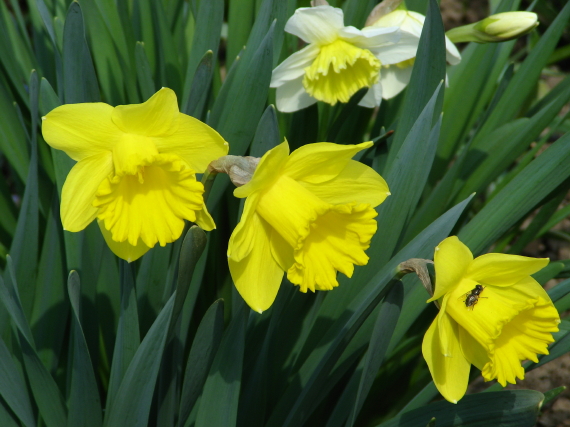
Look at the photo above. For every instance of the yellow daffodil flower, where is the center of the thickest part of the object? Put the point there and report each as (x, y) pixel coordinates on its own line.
(394, 77)
(135, 170)
(338, 61)
(493, 315)
(310, 214)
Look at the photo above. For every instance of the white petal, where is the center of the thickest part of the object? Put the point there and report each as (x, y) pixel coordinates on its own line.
(292, 96)
(405, 49)
(452, 55)
(370, 38)
(394, 80)
(316, 24)
(373, 97)
(294, 66)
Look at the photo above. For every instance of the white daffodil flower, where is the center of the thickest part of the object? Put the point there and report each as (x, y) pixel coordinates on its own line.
(394, 77)
(337, 62)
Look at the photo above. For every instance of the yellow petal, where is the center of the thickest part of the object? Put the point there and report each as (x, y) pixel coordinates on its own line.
(158, 116)
(473, 351)
(242, 238)
(320, 162)
(151, 205)
(258, 276)
(204, 219)
(504, 269)
(355, 183)
(452, 259)
(267, 171)
(81, 130)
(123, 250)
(195, 142)
(339, 71)
(79, 189)
(450, 374)
(282, 252)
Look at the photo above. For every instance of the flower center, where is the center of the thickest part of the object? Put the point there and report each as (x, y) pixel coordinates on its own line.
(339, 71)
(323, 238)
(150, 201)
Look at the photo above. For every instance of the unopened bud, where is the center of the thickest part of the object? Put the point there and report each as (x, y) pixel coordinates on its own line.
(495, 28)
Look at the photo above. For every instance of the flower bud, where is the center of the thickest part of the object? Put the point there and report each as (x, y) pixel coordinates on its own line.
(496, 28)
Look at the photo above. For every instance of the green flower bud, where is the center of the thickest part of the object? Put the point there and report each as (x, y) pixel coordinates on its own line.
(496, 28)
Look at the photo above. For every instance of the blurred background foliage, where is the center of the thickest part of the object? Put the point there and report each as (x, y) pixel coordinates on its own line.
(153, 343)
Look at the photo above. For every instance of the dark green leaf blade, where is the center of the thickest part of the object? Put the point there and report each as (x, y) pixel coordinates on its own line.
(84, 401)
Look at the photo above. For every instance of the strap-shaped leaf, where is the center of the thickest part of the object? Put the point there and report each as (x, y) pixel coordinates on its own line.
(519, 197)
(427, 74)
(79, 78)
(84, 401)
(202, 353)
(224, 379)
(127, 340)
(24, 249)
(46, 393)
(131, 403)
(512, 408)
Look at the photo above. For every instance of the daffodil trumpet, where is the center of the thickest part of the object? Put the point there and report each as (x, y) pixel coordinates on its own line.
(309, 214)
(493, 315)
(136, 170)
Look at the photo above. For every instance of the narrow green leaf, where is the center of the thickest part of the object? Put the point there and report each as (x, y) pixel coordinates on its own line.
(84, 401)
(15, 56)
(194, 105)
(202, 353)
(560, 295)
(49, 316)
(127, 342)
(144, 72)
(209, 27)
(46, 393)
(132, 402)
(13, 388)
(192, 248)
(240, 21)
(526, 76)
(24, 249)
(516, 408)
(406, 177)
(112, 48)
(79, 78)
(224, 379)
(151, 284)
(267, 133)
(381, 334)
(550, 395)
(12, 136)
(427, 74)
(519, 197)
(490, 156)
(532, 230)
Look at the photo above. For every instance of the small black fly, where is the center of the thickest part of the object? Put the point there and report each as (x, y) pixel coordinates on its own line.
(472, 297)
